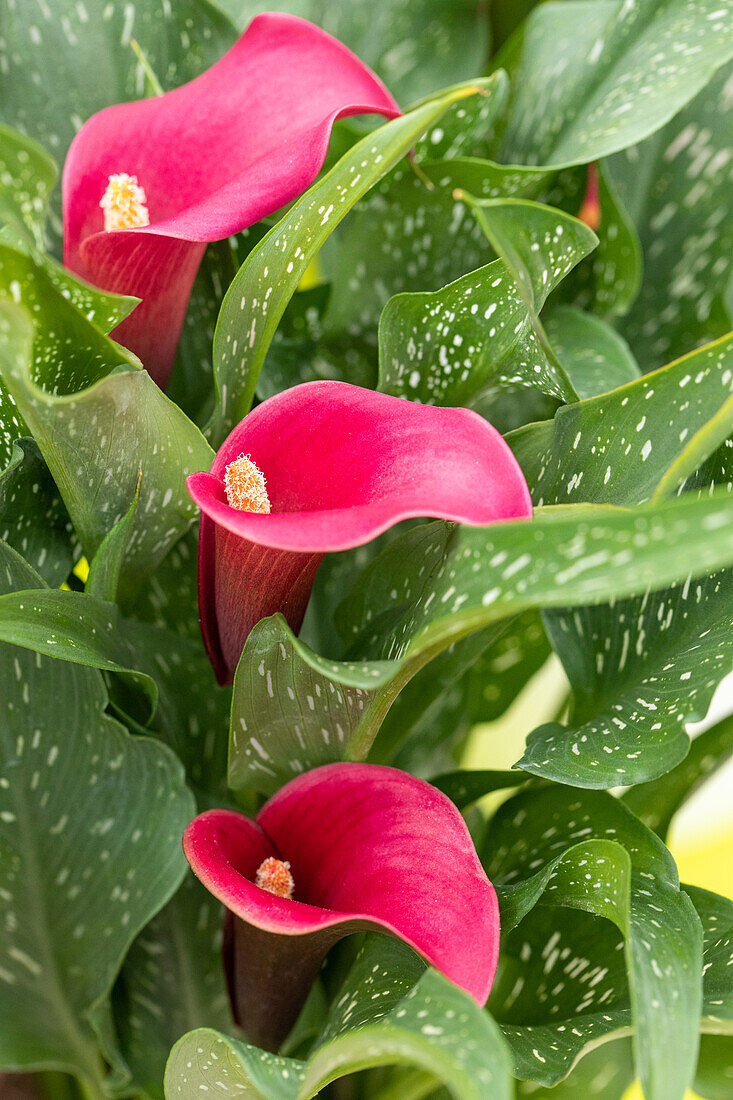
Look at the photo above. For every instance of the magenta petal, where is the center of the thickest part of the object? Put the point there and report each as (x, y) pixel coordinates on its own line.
(369, 847)
(342, 465)
(213, 157)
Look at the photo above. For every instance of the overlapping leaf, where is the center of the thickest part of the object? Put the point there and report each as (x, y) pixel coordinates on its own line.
(468, 578)
(33, 519)
(91, 822)
(641, 439)
(595, 358)
(385, 1013)
(256, 299)
(444, 347)
(98, 425)
(587, 852)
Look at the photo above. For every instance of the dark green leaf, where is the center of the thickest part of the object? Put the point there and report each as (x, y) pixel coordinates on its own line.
(678, 188)
(91, 826)
(172, 981)
(595, 358)
(33, 519)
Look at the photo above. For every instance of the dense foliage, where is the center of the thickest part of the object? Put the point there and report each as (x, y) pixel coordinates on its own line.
(458, 274)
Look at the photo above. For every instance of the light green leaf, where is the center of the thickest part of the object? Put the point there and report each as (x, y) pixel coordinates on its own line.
(267, 280)
(90, 834)
(445, 347)
(677, 186)
(639, 670)
(27, 175)
(384, 1014)
(594, 856)
(636, 442)
(595, 358)
(97, 430)
(106, 567)
(33, 519)
(657, 802)
(594, 76)
(400, 617)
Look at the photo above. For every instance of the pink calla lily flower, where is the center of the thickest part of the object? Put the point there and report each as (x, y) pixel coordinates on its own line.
(341, 849)
(328, 466)
(147, 184)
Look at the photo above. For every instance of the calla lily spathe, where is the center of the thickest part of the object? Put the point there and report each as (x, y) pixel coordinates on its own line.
(368, 848)
(341, 465)
(207, 160)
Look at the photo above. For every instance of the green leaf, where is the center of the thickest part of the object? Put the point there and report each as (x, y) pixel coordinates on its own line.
(415, 48)
(399, 616)
(637, 442)
(168, 680)
(595, 358)
(677, 187)
(602, 1074)
(716, 916)
(90, 833)
(594, 856)
(714, 1067)
(310, 707)
(100, 430)
(27, 176)
(70, 626)
(41, 45)
(33, 519)
(657, 802)
(609, 282)
(465, 787)
(171, 982)
(639, 670)
(445, 347)
(617, 71)
(531, 255)
(106, 566)
(382, 1015)
(267, 280)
